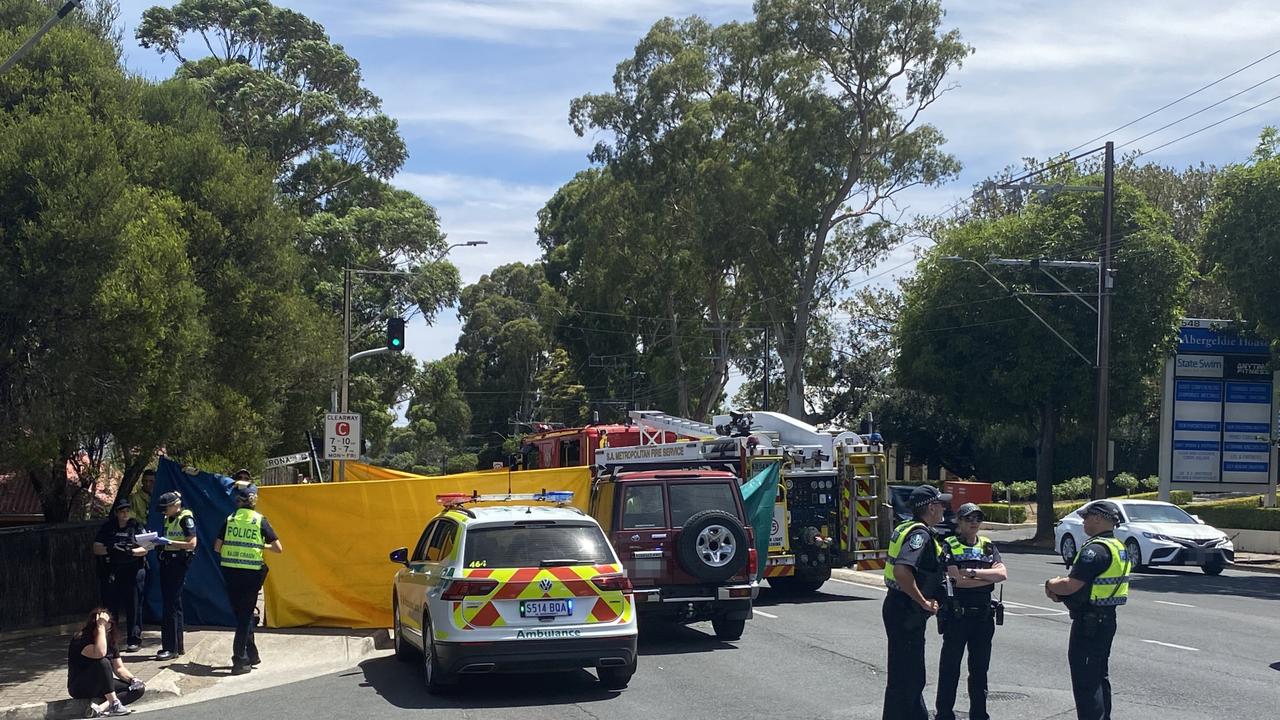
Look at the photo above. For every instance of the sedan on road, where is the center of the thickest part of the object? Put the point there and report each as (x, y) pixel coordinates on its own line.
(1154, 533)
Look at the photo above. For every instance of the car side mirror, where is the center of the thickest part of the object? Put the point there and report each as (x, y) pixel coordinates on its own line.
(400, 556)
(1197, 519)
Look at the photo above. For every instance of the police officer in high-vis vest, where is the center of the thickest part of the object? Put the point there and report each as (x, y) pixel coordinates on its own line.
(241, 543)
(1097, 584)
(177, 547)
(968, 617)
(913, 574)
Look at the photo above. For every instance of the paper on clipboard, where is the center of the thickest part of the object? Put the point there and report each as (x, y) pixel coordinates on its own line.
(146, 539)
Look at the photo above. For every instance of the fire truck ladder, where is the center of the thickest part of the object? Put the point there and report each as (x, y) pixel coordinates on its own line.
(862, 483)
(654, 425)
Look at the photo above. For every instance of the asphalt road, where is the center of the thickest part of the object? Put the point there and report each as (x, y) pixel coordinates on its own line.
(1189, 647)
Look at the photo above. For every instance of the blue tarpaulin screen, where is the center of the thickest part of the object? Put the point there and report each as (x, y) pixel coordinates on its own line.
(208, 497)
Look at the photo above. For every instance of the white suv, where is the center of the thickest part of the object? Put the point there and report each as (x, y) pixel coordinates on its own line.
(513, 588)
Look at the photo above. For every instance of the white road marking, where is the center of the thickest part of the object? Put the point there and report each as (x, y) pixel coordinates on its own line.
(870, 587)
(1169, 645)
(1010, 603)
(761, 612)
(1166, 602)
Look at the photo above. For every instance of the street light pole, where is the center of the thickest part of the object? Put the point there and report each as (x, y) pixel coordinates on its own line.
(21, 52)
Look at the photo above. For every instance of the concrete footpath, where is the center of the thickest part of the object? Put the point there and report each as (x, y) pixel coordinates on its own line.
(33, 667)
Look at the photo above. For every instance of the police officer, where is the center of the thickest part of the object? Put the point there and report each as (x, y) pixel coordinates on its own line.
(177, 547)
(913, 574)
(126, 574)
(1097, 584)
(240, 543)
(968, 616)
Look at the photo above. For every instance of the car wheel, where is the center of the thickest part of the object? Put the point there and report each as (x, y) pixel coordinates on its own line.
(1134, 551)
(1068, 549)
(727, 629)
(1214, 566)
(404, 651)
(712, 546)
(616, 678)
(437, 680)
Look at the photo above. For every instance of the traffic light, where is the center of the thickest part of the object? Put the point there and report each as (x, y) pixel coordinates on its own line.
(395, 334)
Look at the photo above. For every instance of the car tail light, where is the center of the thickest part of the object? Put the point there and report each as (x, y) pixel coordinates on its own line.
(459, 589)
(620, 583)
(753, 562)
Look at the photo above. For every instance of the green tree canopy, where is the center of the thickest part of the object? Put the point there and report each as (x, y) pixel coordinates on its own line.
(965, 341)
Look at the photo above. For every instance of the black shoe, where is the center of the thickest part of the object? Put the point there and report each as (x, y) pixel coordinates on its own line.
(255, 662)
(166, 655)
(133, 647)
(239, 669)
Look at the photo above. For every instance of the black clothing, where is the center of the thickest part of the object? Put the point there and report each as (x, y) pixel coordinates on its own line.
(1088, 653)
(242, 589)
(123, 598)
(120, 541)
(904, 624)
(90, 679)
(969, 624)
(173, 575)
(1092, 630)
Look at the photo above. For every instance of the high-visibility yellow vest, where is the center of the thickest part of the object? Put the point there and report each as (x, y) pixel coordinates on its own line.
(979, 552)
(895, 548)
(173, 526)
(1111, 588)
(242, 542)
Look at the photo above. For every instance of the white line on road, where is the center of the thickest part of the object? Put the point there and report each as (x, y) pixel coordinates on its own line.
(1166, 602)
(870, 587)
(1170, 645)
(761, 612)
(1010, 603)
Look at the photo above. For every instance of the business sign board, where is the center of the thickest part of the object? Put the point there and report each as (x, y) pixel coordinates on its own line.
(1219, 411)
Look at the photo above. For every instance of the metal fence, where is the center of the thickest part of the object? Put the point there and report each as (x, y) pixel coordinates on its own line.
(49, 574)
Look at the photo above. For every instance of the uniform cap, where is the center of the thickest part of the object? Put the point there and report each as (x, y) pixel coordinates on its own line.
(1104, 508)
(245, 492)
(968, 509)
(926, 494)
(169, 498)
(242, 471)
(121, 504)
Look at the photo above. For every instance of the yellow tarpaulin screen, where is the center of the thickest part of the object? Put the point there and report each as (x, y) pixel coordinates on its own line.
(359, 471)
(334, 571)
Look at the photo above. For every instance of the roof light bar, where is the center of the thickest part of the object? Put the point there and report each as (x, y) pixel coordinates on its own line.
(552, 496)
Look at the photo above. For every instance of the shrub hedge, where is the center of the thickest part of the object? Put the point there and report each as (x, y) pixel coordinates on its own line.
(999, 512)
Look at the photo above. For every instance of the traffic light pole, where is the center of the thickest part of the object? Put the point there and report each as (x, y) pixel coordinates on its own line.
(346, 355)
(21, 52)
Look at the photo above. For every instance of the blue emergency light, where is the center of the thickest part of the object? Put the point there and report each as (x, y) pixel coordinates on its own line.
(555, 496)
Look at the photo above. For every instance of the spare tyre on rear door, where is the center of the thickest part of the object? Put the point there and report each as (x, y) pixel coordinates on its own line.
(712, 546)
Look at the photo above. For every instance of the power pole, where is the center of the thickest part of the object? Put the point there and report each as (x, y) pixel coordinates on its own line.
(1102, 445)
(765, 391)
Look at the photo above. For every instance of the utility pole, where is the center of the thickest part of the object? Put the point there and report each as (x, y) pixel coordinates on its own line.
(1102, 444)
(765, 391)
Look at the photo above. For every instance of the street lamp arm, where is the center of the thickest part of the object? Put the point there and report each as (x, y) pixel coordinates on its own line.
(983, 268)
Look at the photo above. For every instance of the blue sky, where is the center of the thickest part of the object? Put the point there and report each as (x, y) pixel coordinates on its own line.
(481, 89)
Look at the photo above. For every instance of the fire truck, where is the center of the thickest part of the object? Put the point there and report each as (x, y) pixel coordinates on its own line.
(825, 510)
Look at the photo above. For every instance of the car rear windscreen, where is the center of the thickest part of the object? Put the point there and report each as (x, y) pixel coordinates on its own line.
(532, 544)
(688, 499)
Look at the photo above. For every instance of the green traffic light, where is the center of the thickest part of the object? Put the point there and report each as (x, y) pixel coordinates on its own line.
(396, 342)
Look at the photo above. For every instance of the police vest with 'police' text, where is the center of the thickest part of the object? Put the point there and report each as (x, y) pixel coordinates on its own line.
(242, 542)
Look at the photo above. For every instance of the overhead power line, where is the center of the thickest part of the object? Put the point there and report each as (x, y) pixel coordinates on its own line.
(1162, 108)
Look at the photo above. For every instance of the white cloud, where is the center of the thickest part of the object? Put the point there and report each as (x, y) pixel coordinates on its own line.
(500, 213)
(534, 22)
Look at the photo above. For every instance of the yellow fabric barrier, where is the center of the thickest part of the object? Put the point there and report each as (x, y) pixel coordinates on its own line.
(334, 571)
(359, 471)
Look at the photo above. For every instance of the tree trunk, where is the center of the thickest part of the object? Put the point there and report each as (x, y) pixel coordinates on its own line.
(791, 351)
(53, 488)
(1044, 472)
